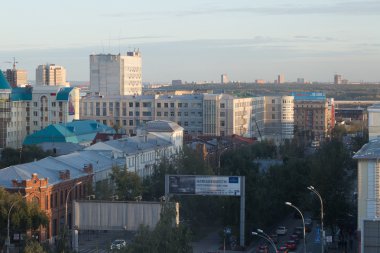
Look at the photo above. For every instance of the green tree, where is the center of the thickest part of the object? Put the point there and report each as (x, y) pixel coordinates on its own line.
(34, 247)
(128, 184)
(10, 156)
(166, 237)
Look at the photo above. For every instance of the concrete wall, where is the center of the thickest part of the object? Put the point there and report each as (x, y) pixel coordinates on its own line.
(114, 215)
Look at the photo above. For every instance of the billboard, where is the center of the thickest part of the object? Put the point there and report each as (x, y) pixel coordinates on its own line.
(204, 185)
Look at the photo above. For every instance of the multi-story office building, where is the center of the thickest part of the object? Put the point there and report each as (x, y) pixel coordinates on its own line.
(27, 110)
(16, 77)
(113, 75)
(51, 75)
(198, 114)
(224, 79)
(313, 115)
(279, 118)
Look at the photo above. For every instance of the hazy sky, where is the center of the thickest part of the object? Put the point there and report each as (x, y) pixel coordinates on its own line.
(199, 40)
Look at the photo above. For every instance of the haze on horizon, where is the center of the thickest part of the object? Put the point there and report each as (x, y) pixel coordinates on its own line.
(199, 40)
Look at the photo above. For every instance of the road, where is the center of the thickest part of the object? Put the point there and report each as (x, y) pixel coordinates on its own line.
(100, 241)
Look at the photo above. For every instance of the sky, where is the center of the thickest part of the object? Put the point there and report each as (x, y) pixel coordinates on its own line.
(198, 40)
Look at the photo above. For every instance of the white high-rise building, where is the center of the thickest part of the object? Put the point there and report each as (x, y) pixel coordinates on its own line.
(51, 75)
(112, 75)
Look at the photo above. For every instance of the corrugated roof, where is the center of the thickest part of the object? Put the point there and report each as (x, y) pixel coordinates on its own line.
(162, 126)
(4, 85)
(371, 150)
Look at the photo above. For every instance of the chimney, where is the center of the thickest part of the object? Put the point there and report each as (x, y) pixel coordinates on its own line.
(88, 168)
(64, 174)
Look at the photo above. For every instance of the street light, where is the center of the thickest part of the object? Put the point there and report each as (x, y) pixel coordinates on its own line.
(303, 222)
(259, 235)
(67, 197)
(311, 188)
(268, 237)
(8, 242)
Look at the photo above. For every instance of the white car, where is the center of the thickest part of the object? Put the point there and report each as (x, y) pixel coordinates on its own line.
(118, 244)
(281, 230)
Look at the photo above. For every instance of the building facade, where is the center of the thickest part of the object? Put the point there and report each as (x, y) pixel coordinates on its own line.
(373, 121)
(198, 114)
(30, 109)
(113, 75)
(51, 75)
(313, 115)
(16, 77)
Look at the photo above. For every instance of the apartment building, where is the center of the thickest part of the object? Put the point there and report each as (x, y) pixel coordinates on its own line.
(313, 115)
(16, 77)
(112, 75)
(26, 110)
(51, 75)
(198, 114)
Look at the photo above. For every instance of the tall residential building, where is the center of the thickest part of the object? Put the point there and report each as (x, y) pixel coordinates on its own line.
(51, 75)
(224, 79)
(29, 109)
(16, 77)
(337, 79)
(281, 79)
(313, 115)
(374, 121)
(113, 75)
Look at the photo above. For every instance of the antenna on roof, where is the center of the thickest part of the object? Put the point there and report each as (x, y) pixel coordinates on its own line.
(13, 63)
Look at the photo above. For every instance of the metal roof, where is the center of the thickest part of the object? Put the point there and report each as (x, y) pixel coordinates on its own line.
(63, 94)
(162, 126)
(371, 150)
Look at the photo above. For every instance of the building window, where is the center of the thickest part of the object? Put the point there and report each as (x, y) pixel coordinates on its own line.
(172, 105)
(179, 114)
(137, 104)
(158, 105)
(172, 114)
(130, 113)
(131, 104)
(179, 105)
(222, 114)
(147, 104)
(166, 114)
(166, 105)
(222, 105)
(147, 114)
(159, 114)
(186, 114)
(222, 123)
(131, 122)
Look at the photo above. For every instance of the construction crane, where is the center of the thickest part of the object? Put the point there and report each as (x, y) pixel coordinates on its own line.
(14, 63)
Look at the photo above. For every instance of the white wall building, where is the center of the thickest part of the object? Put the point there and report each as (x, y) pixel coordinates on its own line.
(116, 74)
(374, 121)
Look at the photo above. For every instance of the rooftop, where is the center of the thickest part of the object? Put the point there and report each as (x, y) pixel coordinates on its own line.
(371, 150)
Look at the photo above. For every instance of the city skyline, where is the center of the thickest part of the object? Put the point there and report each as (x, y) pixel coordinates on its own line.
(199, 40)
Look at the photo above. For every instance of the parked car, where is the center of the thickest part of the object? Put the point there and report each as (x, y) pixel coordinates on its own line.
(263, 248)
(299, 231)
(118, 244)
(281, 230)
(274, 238)
(291, 245)
(294, 237)
(282, 249)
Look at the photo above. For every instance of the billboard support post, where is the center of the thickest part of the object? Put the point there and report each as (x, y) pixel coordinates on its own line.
(242, 212)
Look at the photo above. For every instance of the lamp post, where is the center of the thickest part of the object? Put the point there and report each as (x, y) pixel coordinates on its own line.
(303, 222)
(267, 239)
(8, 242)
(67, 197)
(311, 188)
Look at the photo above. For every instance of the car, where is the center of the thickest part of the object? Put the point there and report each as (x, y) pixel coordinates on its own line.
(281, 230)
(299, 231)
(294, 237)
(274, 238)
(282, 249)
(263, 248)
(291, 245)
(118, 244)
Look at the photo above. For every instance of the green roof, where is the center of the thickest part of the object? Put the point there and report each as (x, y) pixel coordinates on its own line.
(3, 82)
(64, 93)
(78, 131)
(21, 93)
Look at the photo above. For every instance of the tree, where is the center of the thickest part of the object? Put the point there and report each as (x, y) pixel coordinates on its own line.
(33, 247)
(166, 237)
(24, 216)
(128, 184)
(10, 156)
